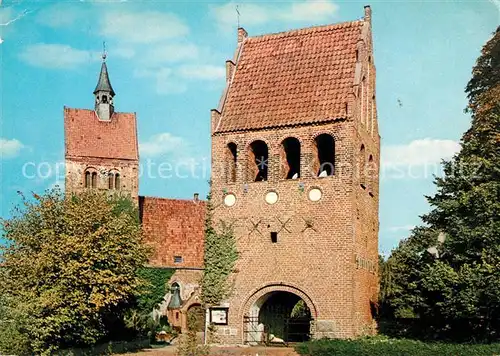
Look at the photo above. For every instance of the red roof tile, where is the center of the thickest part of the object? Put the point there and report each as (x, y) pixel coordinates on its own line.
(291, 78)
(87, 136)
(174, 228)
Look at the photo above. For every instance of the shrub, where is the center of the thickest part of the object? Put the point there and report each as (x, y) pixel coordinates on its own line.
(392, 347)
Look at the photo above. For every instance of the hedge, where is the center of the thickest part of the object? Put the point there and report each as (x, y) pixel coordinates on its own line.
(393, 347)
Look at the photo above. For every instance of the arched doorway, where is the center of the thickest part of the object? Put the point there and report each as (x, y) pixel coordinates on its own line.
(278, 317)
(196, 318)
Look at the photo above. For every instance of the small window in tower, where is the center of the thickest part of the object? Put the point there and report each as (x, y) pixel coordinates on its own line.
(94, 180)
(87, 179)
(232, 151)
(258, 161)
(290, 158)
(111, 180)
(117, 181)
(325, 160)
(362, 167)
(104, 99)
(178, 259)
(274, 237)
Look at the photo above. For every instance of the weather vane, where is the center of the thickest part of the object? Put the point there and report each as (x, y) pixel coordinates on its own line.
(238, 15)
(104, 55)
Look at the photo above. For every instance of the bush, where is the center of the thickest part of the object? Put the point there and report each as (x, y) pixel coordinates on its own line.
(392, 347)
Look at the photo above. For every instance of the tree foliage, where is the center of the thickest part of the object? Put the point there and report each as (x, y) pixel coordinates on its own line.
(68, 267)
(457, 290)
(219, 260)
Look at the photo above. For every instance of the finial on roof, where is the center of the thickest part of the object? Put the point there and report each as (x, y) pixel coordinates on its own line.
(368, 13)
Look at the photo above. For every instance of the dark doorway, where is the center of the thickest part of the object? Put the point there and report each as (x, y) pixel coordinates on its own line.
(283, 318)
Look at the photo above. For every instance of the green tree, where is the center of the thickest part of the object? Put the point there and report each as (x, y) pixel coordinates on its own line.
(457, 287)
(68, 267)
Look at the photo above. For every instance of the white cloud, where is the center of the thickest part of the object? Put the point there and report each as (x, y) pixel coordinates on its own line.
(170, 53)
(7, 16)
(142, 27)
(310, 11)
(401, 228)
(10, 148)
(162, 144)
(202, 72)
(165, 81)
(61, 15)
(257, 14)
(56, 56)
(419, 152)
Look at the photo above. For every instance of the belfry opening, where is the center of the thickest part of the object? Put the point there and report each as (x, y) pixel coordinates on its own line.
(278, 317)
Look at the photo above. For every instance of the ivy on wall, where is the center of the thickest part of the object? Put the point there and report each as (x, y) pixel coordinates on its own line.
(220, 258)
(154, 288)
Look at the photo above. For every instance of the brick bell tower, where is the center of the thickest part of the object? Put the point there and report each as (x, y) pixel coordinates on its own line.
(295, 162)
(101, 150)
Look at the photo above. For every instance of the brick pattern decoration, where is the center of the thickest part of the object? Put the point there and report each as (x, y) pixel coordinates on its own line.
(292, 78)
(87, 136)
(318, 243)
(175, 228)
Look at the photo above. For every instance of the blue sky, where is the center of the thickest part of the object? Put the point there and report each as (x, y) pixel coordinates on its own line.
(166, 63)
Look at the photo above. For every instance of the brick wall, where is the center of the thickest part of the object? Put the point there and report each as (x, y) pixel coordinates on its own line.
(174, 228)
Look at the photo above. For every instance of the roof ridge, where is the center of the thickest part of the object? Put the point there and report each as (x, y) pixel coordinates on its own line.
(187, 200)
(305, 30)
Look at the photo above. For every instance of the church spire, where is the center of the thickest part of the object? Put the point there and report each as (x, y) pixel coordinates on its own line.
(104, 84)
(104, 92)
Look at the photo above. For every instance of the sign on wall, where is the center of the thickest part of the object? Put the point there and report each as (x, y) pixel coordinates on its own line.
(218, 316)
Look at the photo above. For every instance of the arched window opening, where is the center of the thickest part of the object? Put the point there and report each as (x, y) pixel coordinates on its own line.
(231, 161)
(371, 172)
(111, 180)
(325, 145)
(363, 100)
(362, 167)
(94, 180)
(290, 158)
(104, 99)
(117, 181)
(258, 161)
(87, 179)
(372, 114)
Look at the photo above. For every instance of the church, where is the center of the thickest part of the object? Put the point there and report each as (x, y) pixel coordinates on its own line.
(295, 162)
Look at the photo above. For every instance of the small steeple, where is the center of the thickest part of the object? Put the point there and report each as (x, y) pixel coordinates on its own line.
(104, 92)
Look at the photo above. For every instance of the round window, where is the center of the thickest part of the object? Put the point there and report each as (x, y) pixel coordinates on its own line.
(271, 197)
(315, 194)
(229, 199)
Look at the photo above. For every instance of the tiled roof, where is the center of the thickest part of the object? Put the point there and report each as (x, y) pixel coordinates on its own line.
(174, 228)
(292, 78)
(87, 136)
